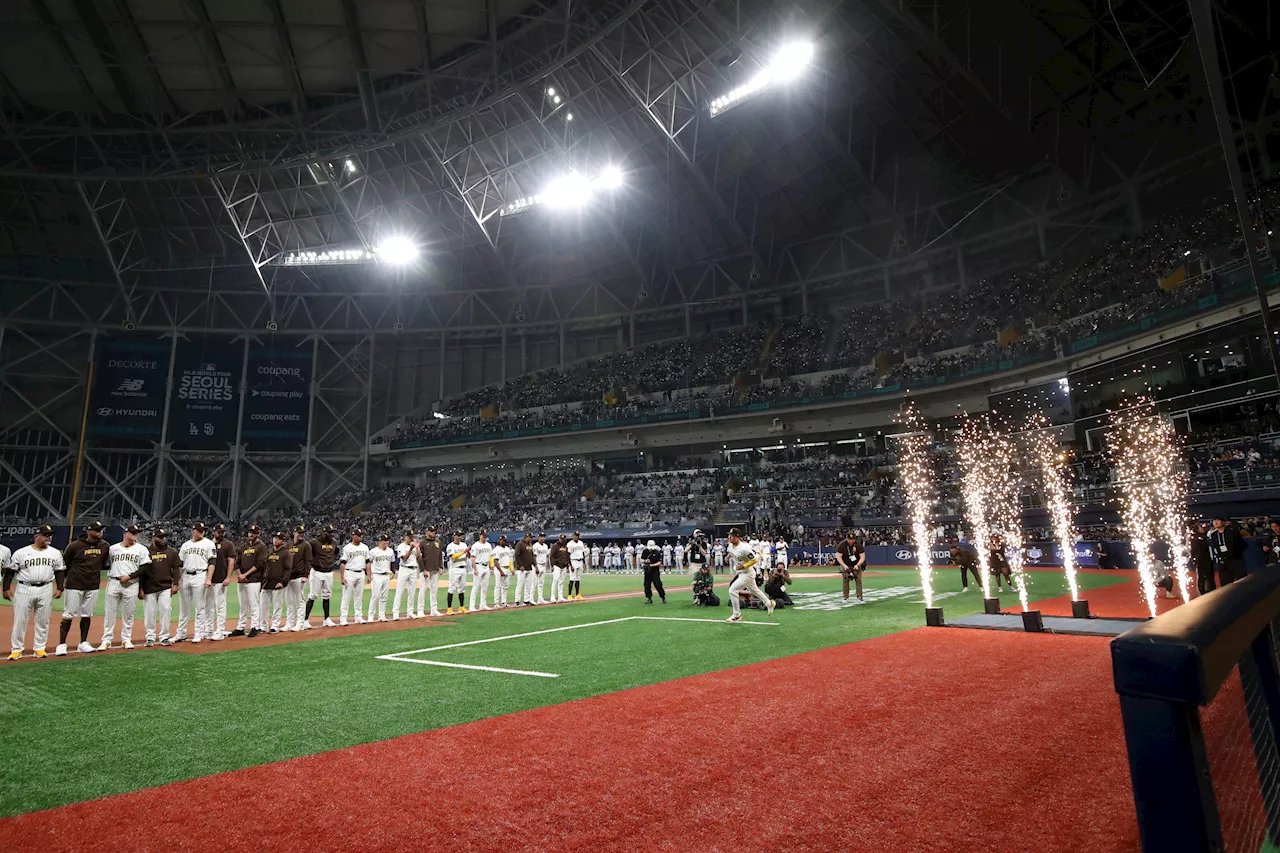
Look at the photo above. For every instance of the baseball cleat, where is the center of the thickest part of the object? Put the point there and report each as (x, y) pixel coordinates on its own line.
(737, 617)
(60, 650)
(462, 609)
(14, 655)
(195, 640)
(41, 653)
(328, 623)
(150, 643)
(181, 638)
(395, 617)
(359, 620)
(128, 644)
(580, 598)
(435, 613)
(239, 632)
(166, 642)
(342, 623)
(770, 606)
(106, 644)
(274, 631)
(448, 611)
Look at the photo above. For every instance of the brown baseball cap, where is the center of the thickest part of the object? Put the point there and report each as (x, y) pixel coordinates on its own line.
(94, 525)
(159, 533)
(44, 530)
(299, 529)
(279, 534)
(199, 525)
(219, 528)
(255, 529)
(134, 529)
(357, 532)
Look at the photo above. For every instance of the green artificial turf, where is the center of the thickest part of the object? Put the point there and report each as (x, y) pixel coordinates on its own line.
(86, 727)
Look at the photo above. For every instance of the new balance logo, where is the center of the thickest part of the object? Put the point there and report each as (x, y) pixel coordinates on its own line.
(131, 385)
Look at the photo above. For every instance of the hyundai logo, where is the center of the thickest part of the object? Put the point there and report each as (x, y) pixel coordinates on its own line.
(104, 412)
(904, 554)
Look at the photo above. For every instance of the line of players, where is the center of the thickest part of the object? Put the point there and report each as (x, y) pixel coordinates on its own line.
(676, 557)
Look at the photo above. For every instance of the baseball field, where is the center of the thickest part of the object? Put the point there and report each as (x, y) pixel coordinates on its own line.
(597, 725)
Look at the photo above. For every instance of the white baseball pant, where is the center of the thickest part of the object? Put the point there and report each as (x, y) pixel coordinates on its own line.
(406, 581)
(248, 594)
(27, 600)
(458, 581)
(524, 586)
(321, 585)
(501, 586)
(78, 602)
(427, 593)
(155, 615)
(271, 601)
(539, 581)
(123, 599)
(379, 591)
(191, 605)
(557, 584)
(747, 581)
(295, 603)
(575, 571)
(215, 609)
(479, 589)
(352, 593)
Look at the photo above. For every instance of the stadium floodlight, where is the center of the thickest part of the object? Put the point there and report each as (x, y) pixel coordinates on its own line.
(787, 64)
(351, 166)
(551, 93)
(568, 117)
(610, 178)
(569, 191)
(325, 257)
(555, 99)
(397, 250)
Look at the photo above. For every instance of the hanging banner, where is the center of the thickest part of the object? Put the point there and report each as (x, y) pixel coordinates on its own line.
(205, 401)
(279, 401)
(127, 400)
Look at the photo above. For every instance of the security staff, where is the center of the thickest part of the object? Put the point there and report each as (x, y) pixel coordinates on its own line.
(651, 560)
(852, 558)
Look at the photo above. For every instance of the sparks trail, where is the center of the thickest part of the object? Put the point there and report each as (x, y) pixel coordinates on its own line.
(916, 475)
(1055, 487)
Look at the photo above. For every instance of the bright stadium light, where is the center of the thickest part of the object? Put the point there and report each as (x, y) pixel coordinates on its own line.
(351, 166)
(788, 63)
(610, 178)
(325, 257)
(397, 251)
(551, 93)
(569, 191)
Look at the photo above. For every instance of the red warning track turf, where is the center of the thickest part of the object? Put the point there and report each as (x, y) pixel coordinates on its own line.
(1120, 601)
(932, 740)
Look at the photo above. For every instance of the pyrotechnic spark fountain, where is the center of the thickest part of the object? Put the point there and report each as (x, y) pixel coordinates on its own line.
(915, 473)
(973, 453)
(1054, 487)
(1145, 460)
(1004, 504)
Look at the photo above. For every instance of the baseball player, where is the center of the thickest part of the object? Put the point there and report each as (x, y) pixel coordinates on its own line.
(353, 573)
(743, 559)
(780, 553)
(324, 556)
(275, 577)
(294, 600)
(677, 557)
(503, 557)
(540, 566)
(666, 556)
(215, 596)
(158, 584)
(86, 559)
(481, 565)
(559, 558)
(595, 557)
(406, 576)
(457, 554)
(128, 559)
(523, 560)
(630, 552)
(717, 555)
(197, 555)
(40, 572)
(381, 558)
(250, 571)
(577, 559)
(431, 561)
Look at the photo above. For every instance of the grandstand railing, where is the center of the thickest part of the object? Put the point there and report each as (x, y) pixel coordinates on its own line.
(1166, 671)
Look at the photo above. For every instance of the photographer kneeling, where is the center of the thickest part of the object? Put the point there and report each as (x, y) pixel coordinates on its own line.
(703, 581)
(776, 586)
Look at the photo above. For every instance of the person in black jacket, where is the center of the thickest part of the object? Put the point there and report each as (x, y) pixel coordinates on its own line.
(1271, 543)
(651, 560)
(1198, 544)
(1228, 550)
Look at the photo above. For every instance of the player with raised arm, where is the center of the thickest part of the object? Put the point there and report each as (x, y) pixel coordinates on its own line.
(743, 560)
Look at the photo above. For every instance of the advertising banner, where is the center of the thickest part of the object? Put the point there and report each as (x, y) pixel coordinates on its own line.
(205, 402)
(279, 401)
(127, 400)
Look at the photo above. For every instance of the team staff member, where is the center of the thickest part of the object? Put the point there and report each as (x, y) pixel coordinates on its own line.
(431, 560)
(559, 558)
(86, 559)
(381, 559)
(275, 577)
(1227, 550)
(215, 597)
(128, 559)
(457, 554)
(1201, 558)
(353, 574)
(852, 558)
(577, 560)
(524, 571)
(197, 555)
(157, 585)
(406, 578)
(40, 572)
(250, 570)
(743, 559)
(324, 556)
(651, 559)
(294, 600)
(999, 563)
(968, 563)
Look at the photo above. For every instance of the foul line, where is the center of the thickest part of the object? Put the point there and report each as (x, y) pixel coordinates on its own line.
(403, 657)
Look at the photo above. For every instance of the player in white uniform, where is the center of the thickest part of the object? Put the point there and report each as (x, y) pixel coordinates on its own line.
(595, 557)
(196, 555)
(406, 576)
(666, 556)
(39, 571)
(540, 551)
(353, 573)
(503, 568)
(380, 560)
(630, 552)
(717, 555)
(780, 553)
(677, 557)
(481, 566)
(128, 557)
(456, 555)
(743, 561)
(577, 559)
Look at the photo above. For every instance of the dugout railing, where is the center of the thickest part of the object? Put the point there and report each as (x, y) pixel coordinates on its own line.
(1167, 672)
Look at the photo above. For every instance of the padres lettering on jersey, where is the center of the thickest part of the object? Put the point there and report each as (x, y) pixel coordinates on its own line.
(196, 556)
(128, 560)
(380, 560)
(482, 554)
(408, 556)
(355, 556)
(35, 566)
(540, 552)
(457, 553)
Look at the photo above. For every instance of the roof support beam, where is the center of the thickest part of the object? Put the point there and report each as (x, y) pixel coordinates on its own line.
(364, 80)
(217, 59)
(103, 238)
(284, 55)
(101, 38)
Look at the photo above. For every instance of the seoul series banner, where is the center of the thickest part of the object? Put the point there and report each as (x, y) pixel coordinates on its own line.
(205, 401)
(127, 400)
(279, 401)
